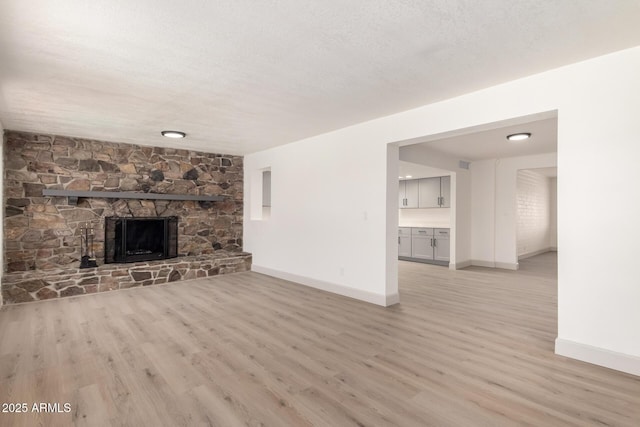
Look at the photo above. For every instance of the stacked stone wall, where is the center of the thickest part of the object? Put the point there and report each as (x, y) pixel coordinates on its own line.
(43, 233)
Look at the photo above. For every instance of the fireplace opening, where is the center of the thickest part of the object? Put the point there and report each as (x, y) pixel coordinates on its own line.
(140, 239)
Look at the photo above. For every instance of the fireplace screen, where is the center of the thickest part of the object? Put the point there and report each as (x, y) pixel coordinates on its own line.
(140, 239)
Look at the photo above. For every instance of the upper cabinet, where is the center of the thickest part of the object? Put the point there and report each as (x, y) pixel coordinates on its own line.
(429, 192)
(425, 193)
(408, 194)
(445, 192)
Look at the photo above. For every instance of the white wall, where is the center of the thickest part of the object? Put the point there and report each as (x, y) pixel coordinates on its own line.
(494, 208)
(461, 231)
(328, 216)
(483, 212)
(533, 199)
(553, 216)
(334, 216)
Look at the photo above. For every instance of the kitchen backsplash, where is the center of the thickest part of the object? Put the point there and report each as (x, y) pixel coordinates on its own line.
(436, 217)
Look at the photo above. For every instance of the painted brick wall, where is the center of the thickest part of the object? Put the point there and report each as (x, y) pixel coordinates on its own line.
(534, 212)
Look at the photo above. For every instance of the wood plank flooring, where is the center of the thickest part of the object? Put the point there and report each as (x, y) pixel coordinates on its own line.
(464, 348)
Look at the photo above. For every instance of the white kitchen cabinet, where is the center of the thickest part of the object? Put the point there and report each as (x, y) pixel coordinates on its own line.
(441, 244)
(404, 241)
(425, 193)
(424, 244)
(412, 193)
(421, 247)
(445, 192)
(408, 194)
(429, 192)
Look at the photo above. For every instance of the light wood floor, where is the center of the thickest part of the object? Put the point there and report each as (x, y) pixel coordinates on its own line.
(464, 348)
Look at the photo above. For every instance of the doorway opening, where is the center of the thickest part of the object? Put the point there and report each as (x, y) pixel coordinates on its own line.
(483, 219)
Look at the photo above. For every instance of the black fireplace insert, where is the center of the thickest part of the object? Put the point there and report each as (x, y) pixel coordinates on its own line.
(140, 239)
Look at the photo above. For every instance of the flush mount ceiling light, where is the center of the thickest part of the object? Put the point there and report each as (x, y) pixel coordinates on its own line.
(173, 134)
(519, 136)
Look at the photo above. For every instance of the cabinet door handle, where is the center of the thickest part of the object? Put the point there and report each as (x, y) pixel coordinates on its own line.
(434, 242)
(398, 239)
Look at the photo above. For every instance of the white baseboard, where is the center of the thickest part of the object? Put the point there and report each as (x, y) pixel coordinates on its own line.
(508, 265)
(534, 253)
(491, 264)
(598, 356)
(392, 299)
(481, 263)
(378, 299)
(459, 265)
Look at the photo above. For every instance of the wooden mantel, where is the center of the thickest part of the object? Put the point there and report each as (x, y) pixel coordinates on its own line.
(74, 195)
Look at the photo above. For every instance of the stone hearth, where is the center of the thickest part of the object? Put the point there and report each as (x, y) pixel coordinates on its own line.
(37, 285)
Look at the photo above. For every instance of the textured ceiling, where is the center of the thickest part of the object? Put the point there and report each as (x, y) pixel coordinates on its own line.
(240, 76)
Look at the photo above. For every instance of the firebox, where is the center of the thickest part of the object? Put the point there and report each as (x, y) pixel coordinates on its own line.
(140, 239)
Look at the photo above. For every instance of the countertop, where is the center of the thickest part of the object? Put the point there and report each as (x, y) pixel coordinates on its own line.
(425, 225)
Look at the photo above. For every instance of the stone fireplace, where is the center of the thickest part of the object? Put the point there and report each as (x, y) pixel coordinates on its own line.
(42, 234)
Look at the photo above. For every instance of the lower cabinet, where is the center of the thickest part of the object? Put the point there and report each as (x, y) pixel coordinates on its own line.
(441, 244)
(404, 241)
(422, 244)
